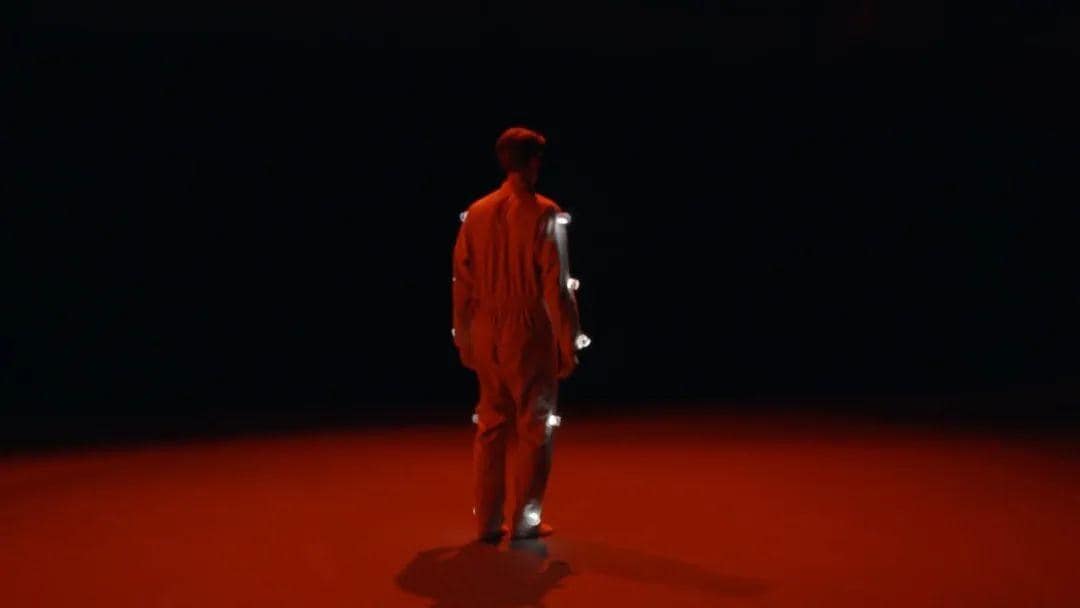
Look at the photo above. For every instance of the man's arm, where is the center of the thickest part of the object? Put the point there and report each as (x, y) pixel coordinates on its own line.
(558, 298)
(462, 296)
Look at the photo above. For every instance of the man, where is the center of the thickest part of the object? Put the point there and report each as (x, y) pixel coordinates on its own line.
(515, 325)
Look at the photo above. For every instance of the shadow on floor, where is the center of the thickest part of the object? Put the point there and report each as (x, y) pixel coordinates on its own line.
(479, 575)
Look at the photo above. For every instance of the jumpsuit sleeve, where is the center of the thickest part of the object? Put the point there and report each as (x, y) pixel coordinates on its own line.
(463, 297)
(559, 300)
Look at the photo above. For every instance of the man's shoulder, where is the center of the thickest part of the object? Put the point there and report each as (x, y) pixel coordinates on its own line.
(487, 200)
(547, 204)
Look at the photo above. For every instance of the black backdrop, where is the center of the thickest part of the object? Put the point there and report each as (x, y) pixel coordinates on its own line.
(236, 214)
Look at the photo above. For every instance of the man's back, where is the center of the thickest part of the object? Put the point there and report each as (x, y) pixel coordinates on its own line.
(508, 285)
(504, 232)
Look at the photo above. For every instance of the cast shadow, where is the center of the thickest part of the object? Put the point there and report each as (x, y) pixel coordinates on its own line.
(479, 575)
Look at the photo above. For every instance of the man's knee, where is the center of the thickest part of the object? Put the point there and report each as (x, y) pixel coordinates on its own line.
(534, 429)
(491, 425)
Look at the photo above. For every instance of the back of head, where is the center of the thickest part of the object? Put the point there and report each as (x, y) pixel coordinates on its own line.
(517, 146)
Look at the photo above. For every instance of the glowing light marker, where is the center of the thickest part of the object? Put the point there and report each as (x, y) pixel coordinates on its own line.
(453, 332)
(562, 218)
(582, 341)
(532, 514)
(476, 418)
(573, 284)
(463, 215)
(553, 421)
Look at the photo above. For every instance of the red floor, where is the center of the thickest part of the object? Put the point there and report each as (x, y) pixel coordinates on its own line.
(722, 511)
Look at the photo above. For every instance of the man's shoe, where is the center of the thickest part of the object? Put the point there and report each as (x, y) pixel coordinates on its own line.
(538, 531)
(494, 537)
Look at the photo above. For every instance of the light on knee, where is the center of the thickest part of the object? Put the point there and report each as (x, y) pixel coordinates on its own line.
(553, 421)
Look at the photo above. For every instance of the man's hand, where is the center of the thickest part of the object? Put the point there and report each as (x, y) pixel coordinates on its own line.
(567, 365)
(464, 347)
(466, 361)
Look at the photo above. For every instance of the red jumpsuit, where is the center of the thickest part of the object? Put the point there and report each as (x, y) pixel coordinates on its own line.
(515, 321)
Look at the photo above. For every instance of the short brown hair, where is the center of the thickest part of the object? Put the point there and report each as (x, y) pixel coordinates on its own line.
(517, 146)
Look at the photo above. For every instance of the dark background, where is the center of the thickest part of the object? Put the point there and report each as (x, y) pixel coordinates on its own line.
(246, 212)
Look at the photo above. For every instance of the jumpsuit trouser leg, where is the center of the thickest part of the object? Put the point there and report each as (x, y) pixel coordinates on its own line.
(518, 389)
(495, 420)
(533, 450)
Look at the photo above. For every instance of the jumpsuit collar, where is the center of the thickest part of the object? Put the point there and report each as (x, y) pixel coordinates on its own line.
(515, 185)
